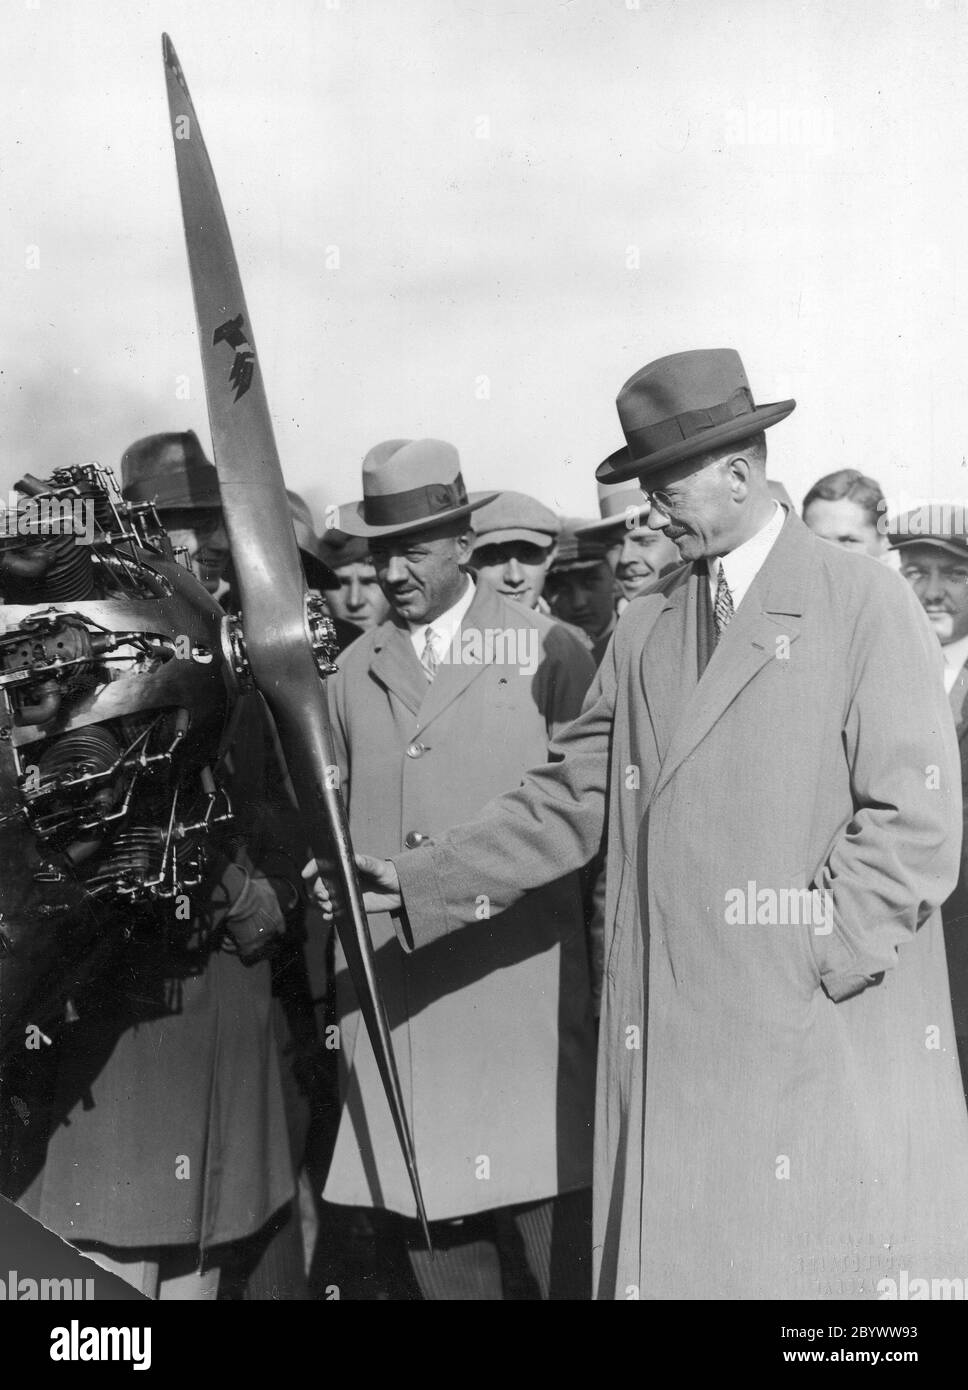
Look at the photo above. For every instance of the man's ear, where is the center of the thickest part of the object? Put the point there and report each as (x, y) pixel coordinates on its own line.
(741, 472)
(465, 544)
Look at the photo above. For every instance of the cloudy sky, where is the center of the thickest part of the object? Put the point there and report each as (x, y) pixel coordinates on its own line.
(474, 219)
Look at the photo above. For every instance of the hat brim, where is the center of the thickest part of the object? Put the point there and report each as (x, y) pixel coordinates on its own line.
(961, 551)
(612, 523)
(515, 533)
(352, 523)
(739, 428)
(174, 502)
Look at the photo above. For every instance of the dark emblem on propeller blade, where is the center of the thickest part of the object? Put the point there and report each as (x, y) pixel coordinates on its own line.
(243, 365)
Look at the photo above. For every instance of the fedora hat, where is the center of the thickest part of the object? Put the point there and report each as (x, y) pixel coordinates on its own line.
(623, 506)
(318, 573)
(170, 470)
(409, 485)
(681, 406)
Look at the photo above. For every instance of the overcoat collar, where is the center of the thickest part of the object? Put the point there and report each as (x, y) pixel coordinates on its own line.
(394, 662)
(682, 708)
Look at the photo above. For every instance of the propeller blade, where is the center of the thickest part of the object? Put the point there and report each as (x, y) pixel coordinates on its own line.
(270, 577)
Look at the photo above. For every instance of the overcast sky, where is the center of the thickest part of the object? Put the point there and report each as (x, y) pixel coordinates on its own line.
(476, 220)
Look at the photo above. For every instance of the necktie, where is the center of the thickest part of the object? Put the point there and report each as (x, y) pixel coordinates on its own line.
(429, 659)
(723, 607)
(706, 633)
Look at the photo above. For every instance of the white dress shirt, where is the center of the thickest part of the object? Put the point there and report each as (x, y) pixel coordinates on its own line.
(955, 655)
(742, 565)
(445, 627)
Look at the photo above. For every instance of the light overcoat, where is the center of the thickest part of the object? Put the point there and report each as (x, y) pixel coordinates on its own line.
(493, 1034)
(779, 1113)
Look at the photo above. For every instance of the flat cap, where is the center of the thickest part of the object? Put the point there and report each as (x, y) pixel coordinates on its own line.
(514, 516)
(943, 524)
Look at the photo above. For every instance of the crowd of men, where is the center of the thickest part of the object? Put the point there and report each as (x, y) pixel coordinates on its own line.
(563, 743)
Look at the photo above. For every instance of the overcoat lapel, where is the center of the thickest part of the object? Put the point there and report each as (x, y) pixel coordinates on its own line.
(769, 613)
(957, 700)
(453, 675)
(394, 664)
(668, 667)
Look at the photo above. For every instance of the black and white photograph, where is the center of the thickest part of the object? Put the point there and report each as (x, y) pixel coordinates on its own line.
(484, 662)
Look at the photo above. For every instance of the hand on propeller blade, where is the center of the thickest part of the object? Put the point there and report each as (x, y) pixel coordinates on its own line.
(378, 879)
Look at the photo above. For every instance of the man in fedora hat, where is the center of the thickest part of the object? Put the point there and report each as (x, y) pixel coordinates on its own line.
(637, 554)
(171, 472)
(779, 1110)
(932, 545)
(436, 710)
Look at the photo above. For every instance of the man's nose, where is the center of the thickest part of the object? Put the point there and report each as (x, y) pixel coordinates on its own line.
(657, 520)
(396, 570)
(628, 551)
(932, 589)
(355, 596)
(513, 572)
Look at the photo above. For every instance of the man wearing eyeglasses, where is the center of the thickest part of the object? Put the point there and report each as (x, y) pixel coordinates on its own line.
(935, 564)
(769, 753)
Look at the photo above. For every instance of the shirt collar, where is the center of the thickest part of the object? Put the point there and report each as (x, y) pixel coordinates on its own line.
(955, 654)
(742, 565)
(445, 626)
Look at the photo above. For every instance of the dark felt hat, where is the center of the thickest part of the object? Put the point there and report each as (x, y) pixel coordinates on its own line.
(681, 406)
(170, 470)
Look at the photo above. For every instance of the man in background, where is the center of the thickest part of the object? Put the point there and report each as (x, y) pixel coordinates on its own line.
(514, 545)
(849, 509)
(935, 564)
(171, 1162)
(580, 586)
(359, 598)
(637, 554)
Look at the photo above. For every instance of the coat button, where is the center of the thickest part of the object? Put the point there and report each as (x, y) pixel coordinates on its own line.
(414, 839)
(416, 750)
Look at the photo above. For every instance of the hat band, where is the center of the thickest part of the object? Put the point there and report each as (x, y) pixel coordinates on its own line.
(651, 438)
(417, 503)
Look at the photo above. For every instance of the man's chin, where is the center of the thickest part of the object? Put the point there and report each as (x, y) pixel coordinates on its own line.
(410, 610)
(943, 627)
(688, 546)
(631, 588)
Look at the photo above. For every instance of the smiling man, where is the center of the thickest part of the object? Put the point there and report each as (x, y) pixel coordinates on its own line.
(494, 1042)
(514, 546)
(771, 1100)
(638, 556)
